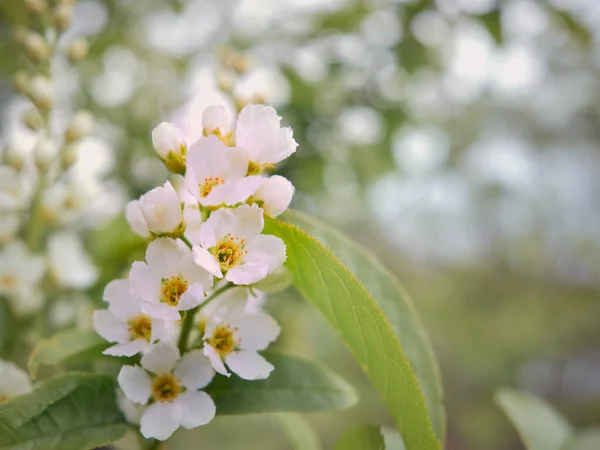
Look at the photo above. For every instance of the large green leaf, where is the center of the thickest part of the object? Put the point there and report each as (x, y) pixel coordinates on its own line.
(345, 302)
(364, 437)
(299, 432)
(70, 412)
(64, 347)
(583, 440)
(296, 385)
(540, 426)
(395, 303)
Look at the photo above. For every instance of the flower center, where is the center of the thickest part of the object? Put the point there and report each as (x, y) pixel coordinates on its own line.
(4, 398)
(165, 388)
(140, 327)
(208, 185)
(223, 339)
(255, 168)
(172, 289)
(8, 281)
(229, 251)
(228, 139)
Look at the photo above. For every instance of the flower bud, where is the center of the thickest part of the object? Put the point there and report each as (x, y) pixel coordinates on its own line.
(21, 81)
(36, 6)
(33, 119)
(61, 17)
(68, 156)
(36, 47)
(41, 93)
(13, 157)
(170, 146)
(215, 120)
(162, 211)
(44, 153)
(80, 126)
(78, 49)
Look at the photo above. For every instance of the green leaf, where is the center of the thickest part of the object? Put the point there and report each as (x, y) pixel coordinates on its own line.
(70, 412)
(493, 22)
(299, 432)
(395, 303)
(353, 313)
(583, 440)
(364, 437)
(296, 385)
(540, 426)
(64, 347)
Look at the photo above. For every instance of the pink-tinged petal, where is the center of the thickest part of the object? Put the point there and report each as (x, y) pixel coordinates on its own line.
(198, 409)
(109, 327)
(135, 383)
(137, 222)
(214, 118)
(207, 158)
(266, 249)
(245, 188)
(256, 331)
(191, 183)
(192, 297)
(161, 311)
(248, 222)
(247, 273)
(127, 349)
(215, 359)
(194, 370)
(161, 358)
(161, 420)
(249, 365)
(207, 261)
(238, 161)
(144, 282)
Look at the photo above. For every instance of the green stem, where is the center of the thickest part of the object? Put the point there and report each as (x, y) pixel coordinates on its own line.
(186, 241)
(188, 322)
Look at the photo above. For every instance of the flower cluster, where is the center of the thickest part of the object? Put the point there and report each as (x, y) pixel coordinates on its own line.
(191, 308)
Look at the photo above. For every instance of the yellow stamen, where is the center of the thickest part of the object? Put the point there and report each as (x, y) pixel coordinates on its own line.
(223, 339)
(165, 388)
(172, 289)
(140, 327)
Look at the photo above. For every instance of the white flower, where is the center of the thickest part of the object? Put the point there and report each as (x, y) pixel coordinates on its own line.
(258, 132)
(70, 265)
(13, 189)
(137, 222)
(215, 120)
(172, 386)
(170, 281)
(27, 300)
(162, 211)
(215, 173)
(20, 270)
(9, 226)
(170, 145)
(125, 323)
(235, 338)
(273, 195)
(13, 381)
(231, 245)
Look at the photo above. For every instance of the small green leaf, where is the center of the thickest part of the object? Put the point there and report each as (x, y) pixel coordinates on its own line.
(364, 437)
(353, 313)
(540, 426)
(395, 303)
(70, 412)
(299, 432)
(296, 385)
(583, 440)
(65, 347)
(493, 22)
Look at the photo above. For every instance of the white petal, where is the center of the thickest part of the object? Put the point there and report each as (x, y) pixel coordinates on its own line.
(215, 359)
(259, 133)
(161, 420)
(13, 381)
(70, 263)
(133, 214)
(161, 311)
(161, 358)
(160, 330)
(266, 249)
(161, 208)
(163, 256)
(222, 194)
(128, 348)
(191, 271)
(123, 303)
(109, 327)
(248, 273)
(216, 226)
(207, 261)
(198, 409)
(215, 118)
(248, 222)
(208, 159)
(136, 383)
(193, 222)
(249, 365)
(276, 192)
(256, 331)
(144, 282)
(245, 188)
(194, 370)
(192, 297)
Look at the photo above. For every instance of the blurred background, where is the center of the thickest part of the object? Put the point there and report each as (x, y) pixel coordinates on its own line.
(458, 140)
